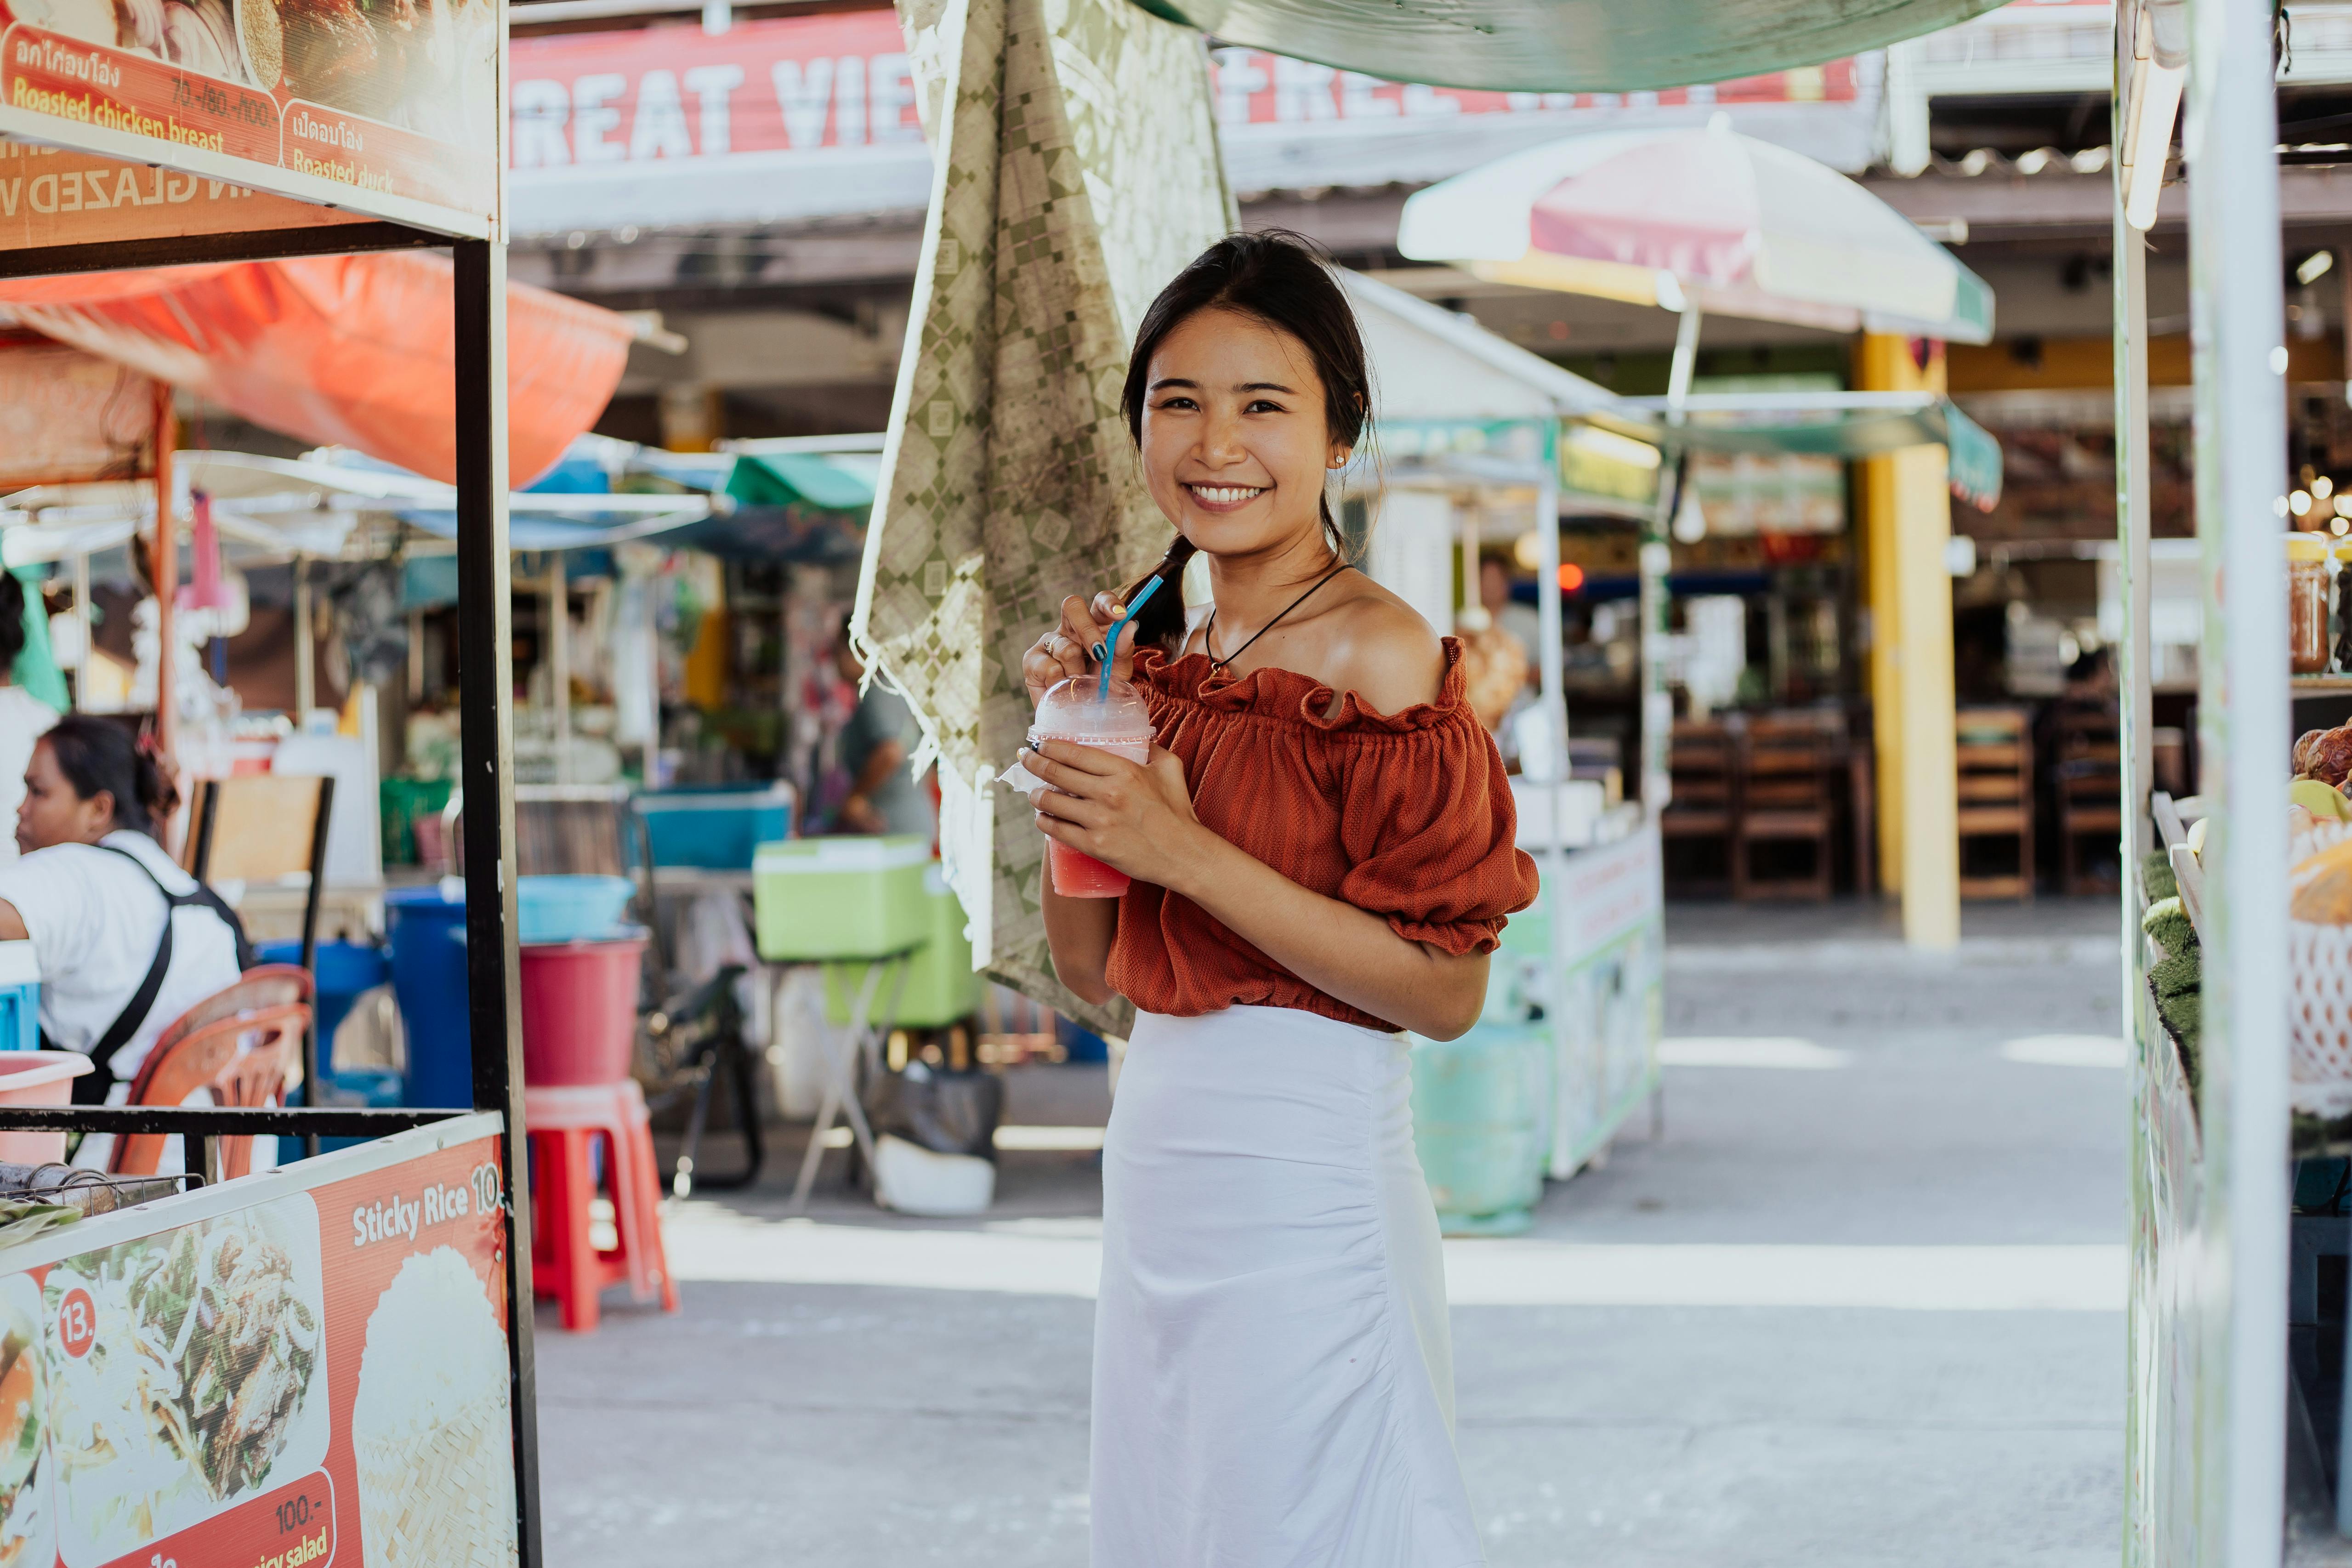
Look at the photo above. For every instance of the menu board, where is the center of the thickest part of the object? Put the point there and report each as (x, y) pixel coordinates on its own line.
(283, 1372)
(51, 196)
(385, 107)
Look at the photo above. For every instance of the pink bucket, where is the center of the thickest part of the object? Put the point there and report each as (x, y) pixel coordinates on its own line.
(38, 1078)
(579, 1010)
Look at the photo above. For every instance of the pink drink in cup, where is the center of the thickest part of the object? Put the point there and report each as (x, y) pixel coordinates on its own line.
(1074, 710)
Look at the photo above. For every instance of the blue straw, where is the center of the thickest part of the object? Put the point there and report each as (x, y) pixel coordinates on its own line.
(1111, 646)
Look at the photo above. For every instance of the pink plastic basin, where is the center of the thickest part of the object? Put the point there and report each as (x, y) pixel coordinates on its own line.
(579, 1010)
(38, 1078)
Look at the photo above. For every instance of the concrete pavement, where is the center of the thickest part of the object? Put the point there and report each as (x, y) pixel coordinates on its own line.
(1919, 1148)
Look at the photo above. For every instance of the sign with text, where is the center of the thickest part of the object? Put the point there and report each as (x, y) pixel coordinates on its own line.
(319, 1375)
(49, 196)
(802, 83)
(385, 109)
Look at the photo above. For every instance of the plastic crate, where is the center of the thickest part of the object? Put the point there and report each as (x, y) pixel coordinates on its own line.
(20, 998)
(840, 897)
(940, 986)
(718, 828)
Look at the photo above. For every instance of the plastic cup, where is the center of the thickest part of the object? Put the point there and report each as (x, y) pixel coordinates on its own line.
(1120, 724)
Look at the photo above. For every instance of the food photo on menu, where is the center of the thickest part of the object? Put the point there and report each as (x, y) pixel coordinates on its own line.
(428, 66)
(185, 1372)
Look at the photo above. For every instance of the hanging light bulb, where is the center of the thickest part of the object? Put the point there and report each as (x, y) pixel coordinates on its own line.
(1690, 518)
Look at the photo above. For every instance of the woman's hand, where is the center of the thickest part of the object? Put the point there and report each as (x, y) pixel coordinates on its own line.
(1070, 651)
(1133, 817)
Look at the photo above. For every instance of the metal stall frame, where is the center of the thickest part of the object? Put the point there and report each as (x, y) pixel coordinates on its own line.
(2207, 1415)
(486, 739)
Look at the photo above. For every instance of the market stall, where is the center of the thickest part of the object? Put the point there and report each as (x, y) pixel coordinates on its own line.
(1468, 425)
(405, 1262)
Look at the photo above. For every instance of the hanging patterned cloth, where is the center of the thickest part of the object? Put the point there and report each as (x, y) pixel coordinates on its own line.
(1076, 173)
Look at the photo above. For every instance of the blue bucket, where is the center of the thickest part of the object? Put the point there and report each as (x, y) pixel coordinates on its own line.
(569, 908)
(428, 979)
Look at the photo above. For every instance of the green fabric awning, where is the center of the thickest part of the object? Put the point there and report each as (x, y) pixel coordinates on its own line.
(1566, 45)
(803, 478)
(1838, 425)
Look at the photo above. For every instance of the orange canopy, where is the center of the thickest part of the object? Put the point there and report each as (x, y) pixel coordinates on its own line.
(352, 350)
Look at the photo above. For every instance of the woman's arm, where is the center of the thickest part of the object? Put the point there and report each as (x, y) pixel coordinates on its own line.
(1080, 932)
(1140, 819)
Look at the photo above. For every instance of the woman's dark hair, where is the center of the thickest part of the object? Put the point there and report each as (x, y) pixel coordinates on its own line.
(1284, 279)
(95, 755)
(12, 620)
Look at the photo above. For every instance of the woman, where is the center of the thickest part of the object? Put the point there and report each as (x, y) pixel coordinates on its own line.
(127, 940)
(23, 718)
(1322, 848)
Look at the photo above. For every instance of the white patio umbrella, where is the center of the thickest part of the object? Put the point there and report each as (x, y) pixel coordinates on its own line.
(1704, 218)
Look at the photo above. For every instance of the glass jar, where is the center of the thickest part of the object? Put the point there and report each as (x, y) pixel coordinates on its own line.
(2343, 553)
(2306, 603)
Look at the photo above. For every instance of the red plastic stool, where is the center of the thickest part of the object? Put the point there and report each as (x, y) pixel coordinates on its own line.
(562, 1122)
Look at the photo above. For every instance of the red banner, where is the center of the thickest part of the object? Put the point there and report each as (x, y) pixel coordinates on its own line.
(318, 1377)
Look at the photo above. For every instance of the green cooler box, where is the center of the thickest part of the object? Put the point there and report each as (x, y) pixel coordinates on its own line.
(1481, 1124)
(940, 987)
(840, 897)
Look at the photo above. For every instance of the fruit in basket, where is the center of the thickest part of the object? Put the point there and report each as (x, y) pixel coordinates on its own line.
(2320, 890)
(2323, 801)
(2326, 756)
(2303, 748)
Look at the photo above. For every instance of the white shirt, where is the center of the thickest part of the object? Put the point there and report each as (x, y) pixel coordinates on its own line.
(95, 919)
(24, 718)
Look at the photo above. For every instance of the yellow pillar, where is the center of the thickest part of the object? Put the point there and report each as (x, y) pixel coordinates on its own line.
(1906, 520)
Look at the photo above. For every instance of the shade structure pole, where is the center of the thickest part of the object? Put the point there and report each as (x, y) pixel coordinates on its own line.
(1657, 557)
(164, 569)
(559, 665)
(486, 682)
(2237, 316)
(81, 624)
(2148, 1482)
(306, 664)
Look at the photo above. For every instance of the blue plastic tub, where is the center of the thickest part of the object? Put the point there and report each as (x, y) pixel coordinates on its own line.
(569, 908)
(344, 970)
(20, 998)
(428, 980)
(716, 827)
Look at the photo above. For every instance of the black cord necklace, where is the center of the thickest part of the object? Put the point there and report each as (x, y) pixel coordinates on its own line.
(1216, 664)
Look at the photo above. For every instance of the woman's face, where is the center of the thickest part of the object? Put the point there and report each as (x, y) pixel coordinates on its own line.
(52, 813)
(1235, 445)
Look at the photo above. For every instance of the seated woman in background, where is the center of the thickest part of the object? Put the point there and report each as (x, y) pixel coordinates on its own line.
(127, 940)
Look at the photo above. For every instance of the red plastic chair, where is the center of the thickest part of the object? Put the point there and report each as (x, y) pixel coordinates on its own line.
(239, 1043)
(563, 1122)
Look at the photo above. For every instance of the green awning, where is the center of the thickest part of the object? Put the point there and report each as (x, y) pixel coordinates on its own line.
(1869, 424)
(803, 479)
(1566, 45)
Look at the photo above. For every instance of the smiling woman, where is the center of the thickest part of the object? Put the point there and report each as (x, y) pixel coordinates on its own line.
(1321, 848)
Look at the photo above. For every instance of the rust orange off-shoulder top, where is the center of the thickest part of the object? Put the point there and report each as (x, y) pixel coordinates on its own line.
(1408, 815)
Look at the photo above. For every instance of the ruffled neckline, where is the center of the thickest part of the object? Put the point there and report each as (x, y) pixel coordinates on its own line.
(1274, 693)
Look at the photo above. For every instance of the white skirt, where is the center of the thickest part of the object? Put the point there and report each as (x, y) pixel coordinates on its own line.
(1273, 1379)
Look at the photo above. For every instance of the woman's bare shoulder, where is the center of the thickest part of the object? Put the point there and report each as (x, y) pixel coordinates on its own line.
(1383, 651)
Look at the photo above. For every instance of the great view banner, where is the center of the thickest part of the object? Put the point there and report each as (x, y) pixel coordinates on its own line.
(283, 1372)
(385, 107)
